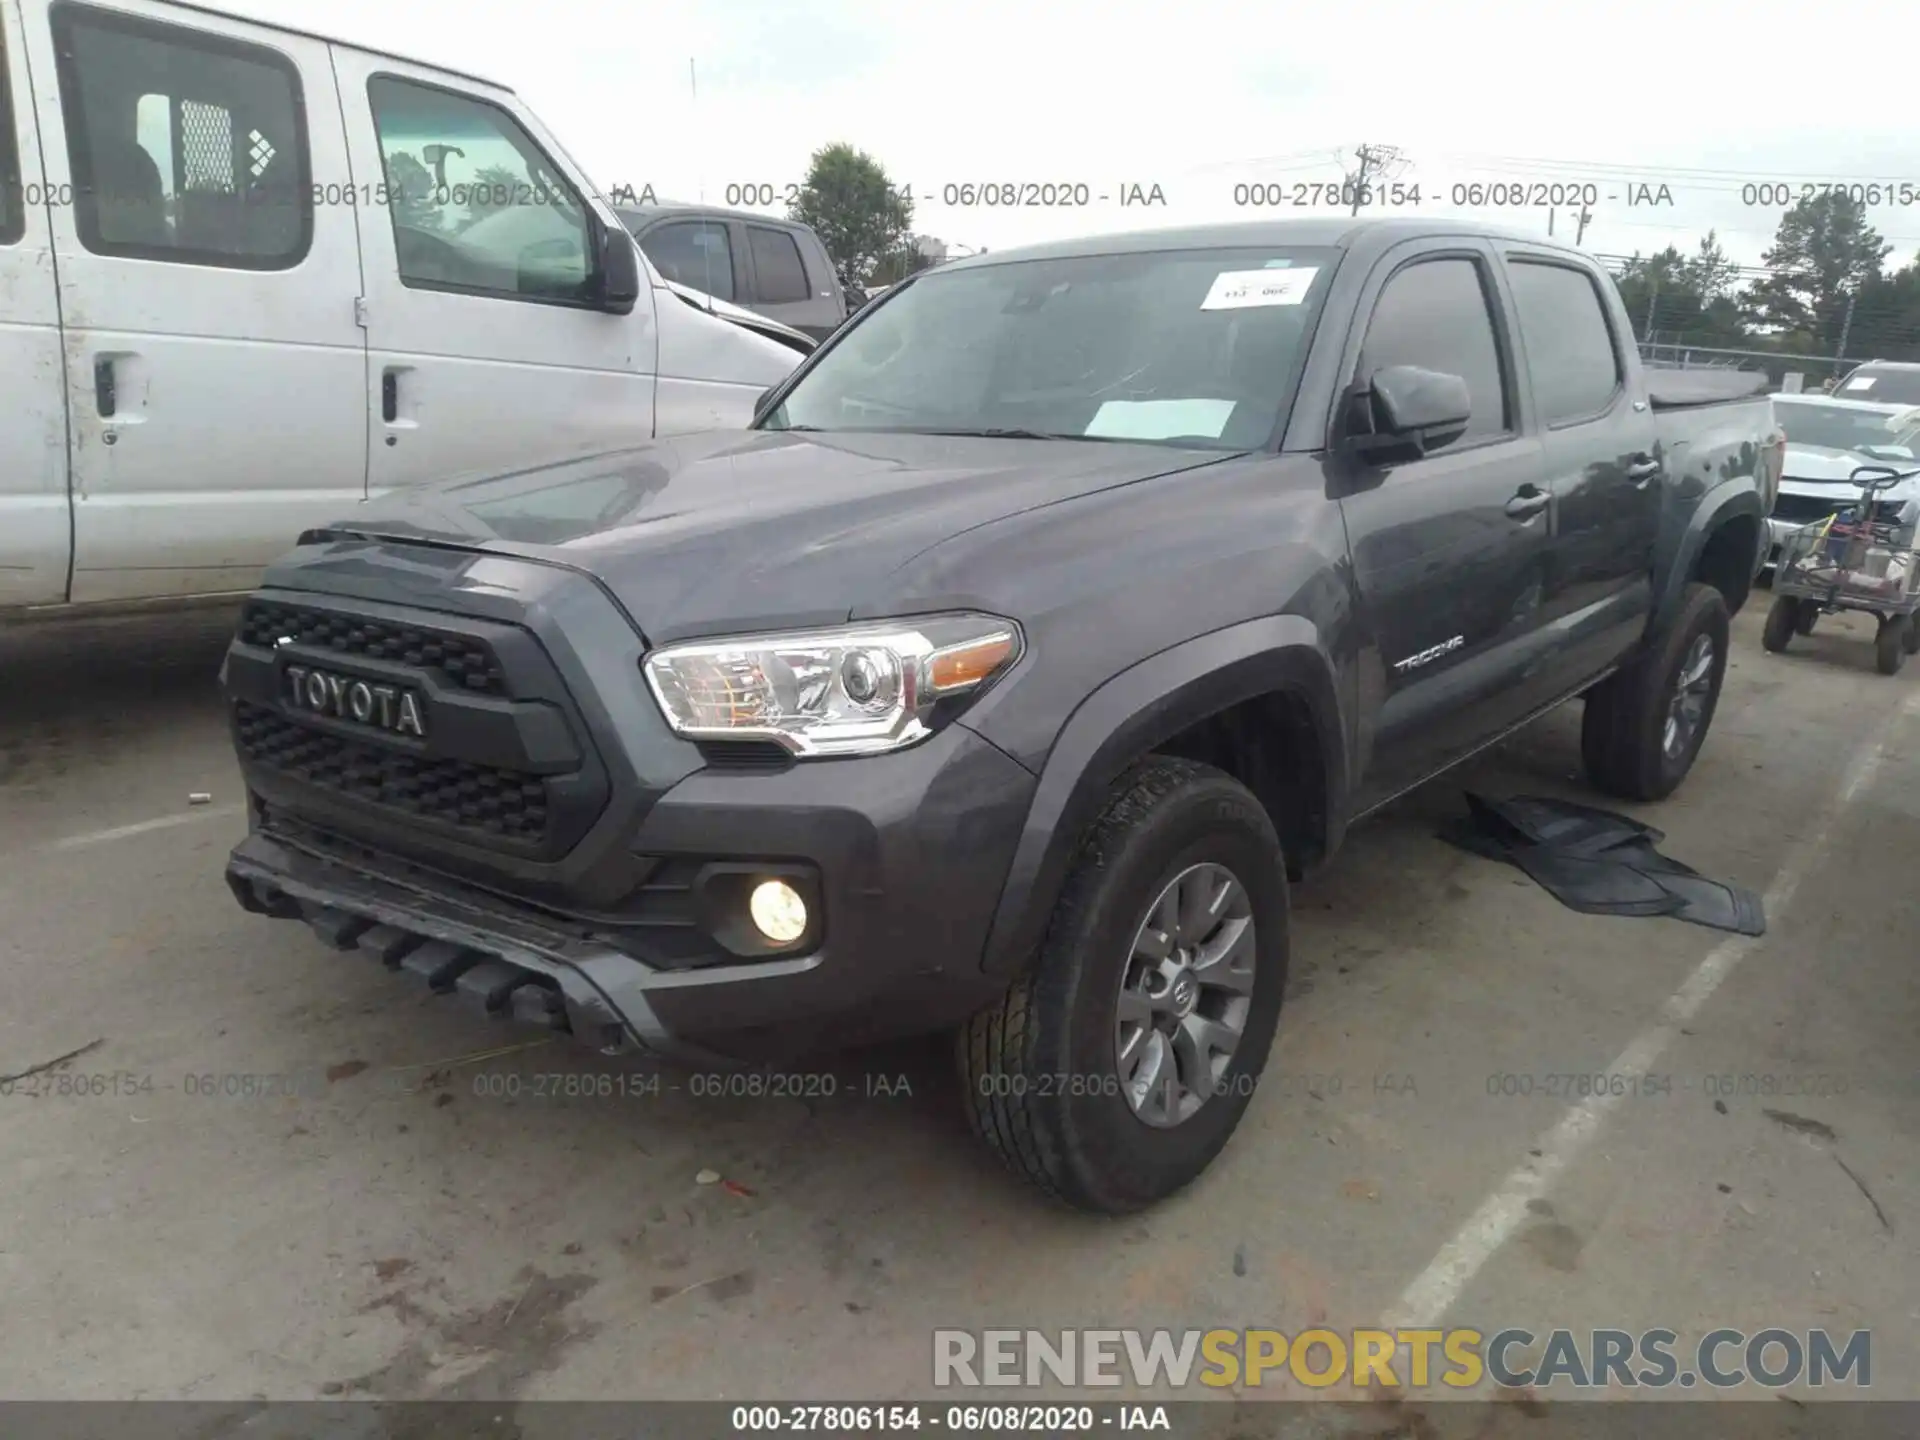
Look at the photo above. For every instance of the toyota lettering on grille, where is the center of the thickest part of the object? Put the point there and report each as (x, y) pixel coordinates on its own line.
(382, 707)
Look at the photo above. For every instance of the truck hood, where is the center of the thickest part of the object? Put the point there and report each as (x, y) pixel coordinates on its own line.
(743, 530)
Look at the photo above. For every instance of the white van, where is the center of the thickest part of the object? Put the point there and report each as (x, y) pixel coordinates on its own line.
(250, 276)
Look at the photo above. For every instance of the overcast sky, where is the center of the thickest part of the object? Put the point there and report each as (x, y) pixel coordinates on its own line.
(1200, 96)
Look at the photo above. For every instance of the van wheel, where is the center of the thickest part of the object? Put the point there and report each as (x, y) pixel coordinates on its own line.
(1783, 619)
(1116, 1067)
(1644, 725)
(1809, 617)
(1890, 647)
(1913, 634)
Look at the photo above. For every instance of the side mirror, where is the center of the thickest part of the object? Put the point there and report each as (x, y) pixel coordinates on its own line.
(1403, 412)
(619, 269)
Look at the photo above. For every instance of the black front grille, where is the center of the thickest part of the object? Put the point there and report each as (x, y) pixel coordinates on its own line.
(1806, 508)
(459, 659)
(479, 798)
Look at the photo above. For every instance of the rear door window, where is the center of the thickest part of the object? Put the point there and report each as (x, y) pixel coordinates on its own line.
(1570, 351)
(779, 276)
(696, 253)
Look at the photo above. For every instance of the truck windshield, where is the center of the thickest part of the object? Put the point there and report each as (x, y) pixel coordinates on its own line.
(1197, 348)
(1839, 427)
(1896, 385)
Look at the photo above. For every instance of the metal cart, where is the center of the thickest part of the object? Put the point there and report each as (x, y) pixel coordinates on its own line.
(1861, 558)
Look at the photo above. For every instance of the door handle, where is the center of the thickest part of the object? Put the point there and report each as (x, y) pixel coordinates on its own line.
(389, 396)
(1528, 502)
(1641, 469)
(106, 396)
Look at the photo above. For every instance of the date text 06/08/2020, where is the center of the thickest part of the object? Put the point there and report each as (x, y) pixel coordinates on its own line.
(1463, 194)
(1010, 194)
(1003, 1419)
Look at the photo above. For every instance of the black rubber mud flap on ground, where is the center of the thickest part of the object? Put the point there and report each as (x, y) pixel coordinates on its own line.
(1600, 863)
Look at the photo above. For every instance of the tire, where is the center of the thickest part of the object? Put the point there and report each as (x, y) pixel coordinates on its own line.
(1808, 617)
(1624, 735)
(1890, 645)
(1913, 635)
(1044, 1082)
(1783, 619)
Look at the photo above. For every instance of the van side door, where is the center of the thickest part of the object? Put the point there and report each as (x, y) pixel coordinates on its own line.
(1604, 466)
(35, 525)
(487, 350)
(214, 369)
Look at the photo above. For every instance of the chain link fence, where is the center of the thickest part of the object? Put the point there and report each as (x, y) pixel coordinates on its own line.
(1676, 338)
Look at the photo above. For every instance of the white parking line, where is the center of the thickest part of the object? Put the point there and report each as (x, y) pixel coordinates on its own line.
(143, 827)
(1425, 1302)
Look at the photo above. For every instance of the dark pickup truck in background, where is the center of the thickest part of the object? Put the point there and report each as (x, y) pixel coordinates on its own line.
(1053, 613)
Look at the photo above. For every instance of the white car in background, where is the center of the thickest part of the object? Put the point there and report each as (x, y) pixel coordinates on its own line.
(1828, 438)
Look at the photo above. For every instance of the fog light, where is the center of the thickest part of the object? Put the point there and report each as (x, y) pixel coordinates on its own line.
(778, 911)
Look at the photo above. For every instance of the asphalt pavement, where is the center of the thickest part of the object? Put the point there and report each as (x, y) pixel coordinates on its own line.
(277, 1171)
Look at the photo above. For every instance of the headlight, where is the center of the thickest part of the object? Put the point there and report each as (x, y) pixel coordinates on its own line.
(857, 690)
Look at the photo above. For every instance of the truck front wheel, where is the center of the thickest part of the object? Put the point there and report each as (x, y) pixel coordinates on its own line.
(1644, 725)
(1115, 1069)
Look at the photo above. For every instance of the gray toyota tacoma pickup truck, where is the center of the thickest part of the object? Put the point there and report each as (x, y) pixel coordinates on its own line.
(1047, 620)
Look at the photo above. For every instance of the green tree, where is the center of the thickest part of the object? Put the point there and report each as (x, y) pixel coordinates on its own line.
(1684, 299)
(1823, 252)
(1886, 318)
(859, 214)
(1710, 273)
(492, 188)
(893, 268)
(410, 192)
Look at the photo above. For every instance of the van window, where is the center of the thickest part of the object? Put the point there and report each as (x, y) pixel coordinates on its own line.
(476, 205)
(185, 146)
(696, 253)
(12, 217)
(776, 263)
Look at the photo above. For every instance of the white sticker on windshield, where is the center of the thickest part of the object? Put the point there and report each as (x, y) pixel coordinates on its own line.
(1160, 419)
(1239, 289)
(1865, 382)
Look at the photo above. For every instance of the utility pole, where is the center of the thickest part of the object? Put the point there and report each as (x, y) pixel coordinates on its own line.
(1550, 214)
(1375, 161)
(1846, 329)
(1586, 215)
(693, 96)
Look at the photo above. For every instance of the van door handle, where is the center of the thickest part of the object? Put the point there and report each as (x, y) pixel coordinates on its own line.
(106, 397)
(1528, 502)
(1641, 469)
(389, 396)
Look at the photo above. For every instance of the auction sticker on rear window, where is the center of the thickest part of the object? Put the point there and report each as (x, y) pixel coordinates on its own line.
(1239, 289)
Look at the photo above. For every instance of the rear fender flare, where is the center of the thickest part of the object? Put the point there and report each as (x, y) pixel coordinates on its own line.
(1716, 507)
(1138, 709)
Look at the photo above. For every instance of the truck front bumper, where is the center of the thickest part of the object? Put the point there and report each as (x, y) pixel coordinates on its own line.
(908, 854)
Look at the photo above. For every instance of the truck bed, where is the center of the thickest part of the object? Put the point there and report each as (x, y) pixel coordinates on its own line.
(1686, 389)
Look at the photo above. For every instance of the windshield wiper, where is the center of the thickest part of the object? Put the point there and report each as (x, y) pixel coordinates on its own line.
(1000, 432)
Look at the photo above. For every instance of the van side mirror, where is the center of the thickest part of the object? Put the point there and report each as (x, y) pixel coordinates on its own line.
(619, 269)
(1401, 412)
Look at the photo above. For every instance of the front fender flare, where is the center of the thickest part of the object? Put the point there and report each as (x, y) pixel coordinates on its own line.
(1138, 709)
